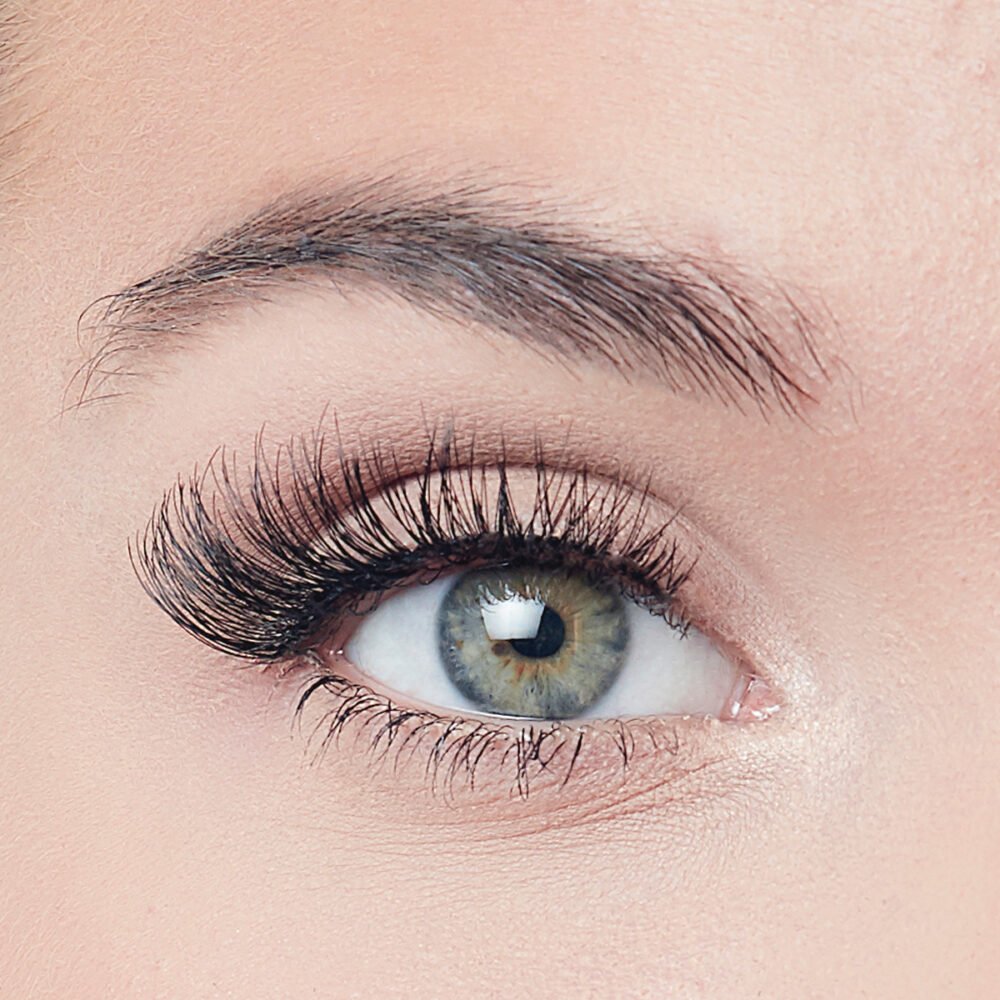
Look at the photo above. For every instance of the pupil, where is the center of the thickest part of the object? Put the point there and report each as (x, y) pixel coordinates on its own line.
(547, 641)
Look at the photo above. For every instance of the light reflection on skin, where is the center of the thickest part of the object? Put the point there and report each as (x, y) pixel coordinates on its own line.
(163, 834)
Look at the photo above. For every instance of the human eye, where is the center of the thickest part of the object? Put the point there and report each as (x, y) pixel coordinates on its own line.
(515, 639)
(464, 601)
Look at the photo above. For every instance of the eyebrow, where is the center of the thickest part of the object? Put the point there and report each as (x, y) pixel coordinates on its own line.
(502, 265)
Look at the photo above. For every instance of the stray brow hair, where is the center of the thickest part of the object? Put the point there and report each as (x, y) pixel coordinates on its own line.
(502, 265)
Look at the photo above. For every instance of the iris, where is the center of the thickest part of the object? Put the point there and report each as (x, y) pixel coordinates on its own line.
(530, 642)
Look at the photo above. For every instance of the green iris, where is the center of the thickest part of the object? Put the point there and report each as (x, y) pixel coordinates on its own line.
(531, 642)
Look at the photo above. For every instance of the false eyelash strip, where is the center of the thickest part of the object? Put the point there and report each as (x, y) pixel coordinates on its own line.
(256, 565)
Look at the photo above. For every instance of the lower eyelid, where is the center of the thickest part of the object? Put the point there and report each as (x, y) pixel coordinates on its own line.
(477, 760)
(688, 772)
(489, 760)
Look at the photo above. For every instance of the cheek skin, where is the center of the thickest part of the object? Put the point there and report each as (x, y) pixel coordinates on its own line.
(165, 829)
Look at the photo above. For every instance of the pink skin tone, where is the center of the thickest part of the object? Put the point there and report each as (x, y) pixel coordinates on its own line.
(165, 831)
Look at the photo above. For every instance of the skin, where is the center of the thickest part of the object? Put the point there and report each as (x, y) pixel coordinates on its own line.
(164, 832)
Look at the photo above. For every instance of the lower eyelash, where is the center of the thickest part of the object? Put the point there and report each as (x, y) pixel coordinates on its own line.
(456, 749)
(262, 569)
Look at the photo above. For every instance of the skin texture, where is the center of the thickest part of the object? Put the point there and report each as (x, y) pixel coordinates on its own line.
(164, 831)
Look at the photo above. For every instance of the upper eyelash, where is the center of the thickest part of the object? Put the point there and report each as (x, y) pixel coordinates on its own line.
(256, 570)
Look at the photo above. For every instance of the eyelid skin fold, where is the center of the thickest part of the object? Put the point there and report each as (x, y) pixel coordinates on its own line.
(264, 566)
(254, 566)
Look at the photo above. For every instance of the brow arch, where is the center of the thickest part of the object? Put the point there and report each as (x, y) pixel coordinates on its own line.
(501, 264)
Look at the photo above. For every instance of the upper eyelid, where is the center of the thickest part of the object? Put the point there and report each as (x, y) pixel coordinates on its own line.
(192, 550)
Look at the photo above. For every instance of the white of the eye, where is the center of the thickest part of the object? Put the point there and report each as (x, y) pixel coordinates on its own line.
(667, 673)
(397, 645)
(514, 617)
(664, 673)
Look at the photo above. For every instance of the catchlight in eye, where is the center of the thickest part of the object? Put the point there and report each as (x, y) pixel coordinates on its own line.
(540, 644)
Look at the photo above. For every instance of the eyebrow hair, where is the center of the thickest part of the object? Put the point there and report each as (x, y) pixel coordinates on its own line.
(502, 265)
(15, 117)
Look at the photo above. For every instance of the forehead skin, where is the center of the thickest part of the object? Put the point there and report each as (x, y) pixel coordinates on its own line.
(154, 844)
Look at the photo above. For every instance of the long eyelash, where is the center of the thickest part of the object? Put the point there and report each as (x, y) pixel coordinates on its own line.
(255, 569)
(256, 566)
(455, 748)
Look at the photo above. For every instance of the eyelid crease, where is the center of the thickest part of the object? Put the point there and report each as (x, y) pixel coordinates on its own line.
(255, 570)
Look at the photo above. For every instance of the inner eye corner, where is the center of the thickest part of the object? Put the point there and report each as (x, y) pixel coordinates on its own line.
(568, 669)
